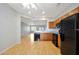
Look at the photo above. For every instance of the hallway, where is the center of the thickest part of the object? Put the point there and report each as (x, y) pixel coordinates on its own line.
(37, 48)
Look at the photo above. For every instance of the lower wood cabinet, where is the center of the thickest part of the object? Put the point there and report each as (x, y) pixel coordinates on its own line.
(46, 36)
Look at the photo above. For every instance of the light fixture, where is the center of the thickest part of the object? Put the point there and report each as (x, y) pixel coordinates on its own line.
(33, 6)
(43, 12)
(27, 5)
(29, 12)
(43, 18)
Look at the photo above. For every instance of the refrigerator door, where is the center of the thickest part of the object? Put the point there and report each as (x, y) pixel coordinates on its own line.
(68, 46)
(77, 41)
(77, 33)
(77, 21)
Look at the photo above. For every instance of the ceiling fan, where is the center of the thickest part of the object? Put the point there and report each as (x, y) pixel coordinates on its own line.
(29, 5)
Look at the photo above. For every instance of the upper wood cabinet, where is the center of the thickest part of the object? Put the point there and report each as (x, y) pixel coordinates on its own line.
(51, 25)
(57, 21)
(74, 11)
(54, 23)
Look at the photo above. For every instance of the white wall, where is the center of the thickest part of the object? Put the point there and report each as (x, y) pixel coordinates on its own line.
(24, 30)
(9, 27)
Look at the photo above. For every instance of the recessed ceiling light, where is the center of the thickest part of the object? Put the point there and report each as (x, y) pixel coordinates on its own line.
(43, 12)
(43, 18)
(28, 7)
(29, 12)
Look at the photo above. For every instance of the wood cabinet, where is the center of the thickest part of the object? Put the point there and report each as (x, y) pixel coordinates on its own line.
(50, 37)
(46, 36)
(59, 41)
(74, 11)
(51, 25)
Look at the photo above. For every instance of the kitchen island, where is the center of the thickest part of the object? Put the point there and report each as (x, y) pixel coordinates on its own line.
(48, 35)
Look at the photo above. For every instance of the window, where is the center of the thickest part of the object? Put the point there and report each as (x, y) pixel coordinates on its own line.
(27, 28)
(33, 28)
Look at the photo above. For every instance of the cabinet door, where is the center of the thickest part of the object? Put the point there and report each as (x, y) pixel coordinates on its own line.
(51, 25)
(46, 36)
(55, 39)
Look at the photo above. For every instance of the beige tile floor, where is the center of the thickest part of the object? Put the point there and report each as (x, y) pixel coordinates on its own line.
(37, 48)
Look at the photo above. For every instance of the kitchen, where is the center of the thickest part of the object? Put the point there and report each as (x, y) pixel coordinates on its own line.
(46, 28)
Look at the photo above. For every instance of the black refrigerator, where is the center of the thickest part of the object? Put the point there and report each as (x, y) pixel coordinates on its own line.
(69, 35)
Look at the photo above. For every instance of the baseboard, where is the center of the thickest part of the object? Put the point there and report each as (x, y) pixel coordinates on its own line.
(7, 48)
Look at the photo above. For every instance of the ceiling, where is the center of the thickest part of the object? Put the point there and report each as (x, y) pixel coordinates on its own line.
(33, 22)
(51, 9)
(51, 12)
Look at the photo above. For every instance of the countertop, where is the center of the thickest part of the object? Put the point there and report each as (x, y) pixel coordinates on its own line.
(56, 31)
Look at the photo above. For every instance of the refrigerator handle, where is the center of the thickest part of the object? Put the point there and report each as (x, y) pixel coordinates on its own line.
(77, 29)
